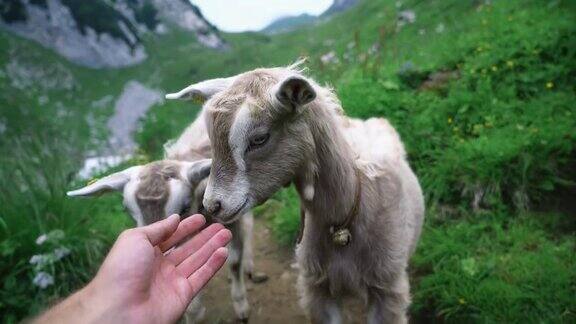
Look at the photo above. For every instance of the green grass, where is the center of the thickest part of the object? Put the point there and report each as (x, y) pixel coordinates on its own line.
(490, 147)
(493, 268)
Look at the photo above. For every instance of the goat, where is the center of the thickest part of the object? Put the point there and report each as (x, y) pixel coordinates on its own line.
(363, 205)
(176, 185)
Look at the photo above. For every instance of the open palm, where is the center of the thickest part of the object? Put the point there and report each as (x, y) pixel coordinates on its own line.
(152, 280)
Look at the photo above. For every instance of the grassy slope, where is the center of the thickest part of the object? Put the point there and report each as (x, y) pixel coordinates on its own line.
(501, 132)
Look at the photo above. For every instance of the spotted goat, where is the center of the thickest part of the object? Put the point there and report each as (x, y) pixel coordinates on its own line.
(176, 185)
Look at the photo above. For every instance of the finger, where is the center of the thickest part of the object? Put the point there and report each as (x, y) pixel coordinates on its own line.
(199, 278)
(185, 228)
(196, 260)
(161, 230)
(183, 251)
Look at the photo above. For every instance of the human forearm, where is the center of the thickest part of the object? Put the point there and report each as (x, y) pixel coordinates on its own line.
(86, 305)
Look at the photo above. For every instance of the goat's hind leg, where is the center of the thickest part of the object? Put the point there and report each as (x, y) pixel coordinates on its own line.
(235, 261)
(389, 305)
(248, 257)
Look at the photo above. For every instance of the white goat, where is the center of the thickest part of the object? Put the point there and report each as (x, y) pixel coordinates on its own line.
(363, 205)
(176, 185)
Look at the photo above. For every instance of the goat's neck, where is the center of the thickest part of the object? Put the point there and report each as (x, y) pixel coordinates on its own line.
(335, 180)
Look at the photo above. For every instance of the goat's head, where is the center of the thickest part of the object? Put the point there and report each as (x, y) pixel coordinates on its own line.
(258, 134)
(155, 190)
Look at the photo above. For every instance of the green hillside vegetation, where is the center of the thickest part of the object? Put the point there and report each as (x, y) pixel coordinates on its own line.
(289, 23)
(482, 95)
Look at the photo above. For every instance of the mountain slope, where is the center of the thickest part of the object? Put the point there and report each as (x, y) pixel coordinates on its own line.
(102, 33)
(288, 23)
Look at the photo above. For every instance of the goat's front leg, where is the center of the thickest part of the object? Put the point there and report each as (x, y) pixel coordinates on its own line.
(194, 312)
(390, 305)
(235, 259)
(319, 305)
(248, 257)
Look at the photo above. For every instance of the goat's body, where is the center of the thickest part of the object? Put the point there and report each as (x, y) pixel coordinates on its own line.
(193, 144)
(384, 233)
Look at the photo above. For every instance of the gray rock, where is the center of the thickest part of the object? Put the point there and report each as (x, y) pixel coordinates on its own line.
(55, 28)
(188, 17)
(132, 105)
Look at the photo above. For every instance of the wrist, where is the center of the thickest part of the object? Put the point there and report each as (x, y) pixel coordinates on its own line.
(97, 306)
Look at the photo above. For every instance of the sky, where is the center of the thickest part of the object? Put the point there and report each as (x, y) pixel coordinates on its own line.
(252, 15)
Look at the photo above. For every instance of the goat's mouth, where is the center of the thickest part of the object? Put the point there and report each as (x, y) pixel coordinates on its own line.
(231, 218)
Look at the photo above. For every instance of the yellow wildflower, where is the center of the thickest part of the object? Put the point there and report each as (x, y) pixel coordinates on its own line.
(462, 301)
(549, 85)
(494, 68)
(510, 63)
(449, 120)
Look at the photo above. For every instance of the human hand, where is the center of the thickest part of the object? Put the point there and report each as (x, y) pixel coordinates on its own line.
(140, 282)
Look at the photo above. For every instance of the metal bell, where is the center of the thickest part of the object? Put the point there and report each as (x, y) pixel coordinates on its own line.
(342, 237)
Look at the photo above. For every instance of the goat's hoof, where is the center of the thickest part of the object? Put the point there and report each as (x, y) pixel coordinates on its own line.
(242, 320)
(258, 277)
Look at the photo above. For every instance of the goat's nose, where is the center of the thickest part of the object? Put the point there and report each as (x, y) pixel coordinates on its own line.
(214, 207)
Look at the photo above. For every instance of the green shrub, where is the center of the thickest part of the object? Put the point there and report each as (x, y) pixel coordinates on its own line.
(283, 213)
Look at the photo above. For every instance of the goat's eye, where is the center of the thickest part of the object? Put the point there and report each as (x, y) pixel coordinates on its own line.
(259, 140)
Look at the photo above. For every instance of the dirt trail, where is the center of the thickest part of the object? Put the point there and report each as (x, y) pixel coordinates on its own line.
(274, 301)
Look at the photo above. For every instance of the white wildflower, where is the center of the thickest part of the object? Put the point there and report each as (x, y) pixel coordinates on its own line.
(41, 239)
(406, 17)
(43, 280)
(440, 28)
(329, 58)
(61, 252)
(37, 259)
(374, 49)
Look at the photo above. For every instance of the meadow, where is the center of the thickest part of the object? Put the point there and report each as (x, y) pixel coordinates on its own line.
(482, 93)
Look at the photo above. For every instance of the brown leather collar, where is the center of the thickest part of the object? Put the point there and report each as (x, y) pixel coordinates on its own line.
(341, 230)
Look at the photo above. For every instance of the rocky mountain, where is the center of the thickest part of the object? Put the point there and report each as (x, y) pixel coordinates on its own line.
(103, 33)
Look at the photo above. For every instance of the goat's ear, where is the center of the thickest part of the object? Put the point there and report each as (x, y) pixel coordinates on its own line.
(198, 170)
(114, 182)
(202, 91)
(295, 91)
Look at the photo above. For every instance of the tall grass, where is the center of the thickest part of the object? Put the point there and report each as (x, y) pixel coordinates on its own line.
(38, 166)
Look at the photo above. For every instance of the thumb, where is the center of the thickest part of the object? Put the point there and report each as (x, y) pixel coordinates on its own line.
(160, 231)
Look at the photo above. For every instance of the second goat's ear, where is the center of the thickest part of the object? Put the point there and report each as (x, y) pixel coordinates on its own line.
(198, 170)
(202, 91)
(114, 182)
(295, 91)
